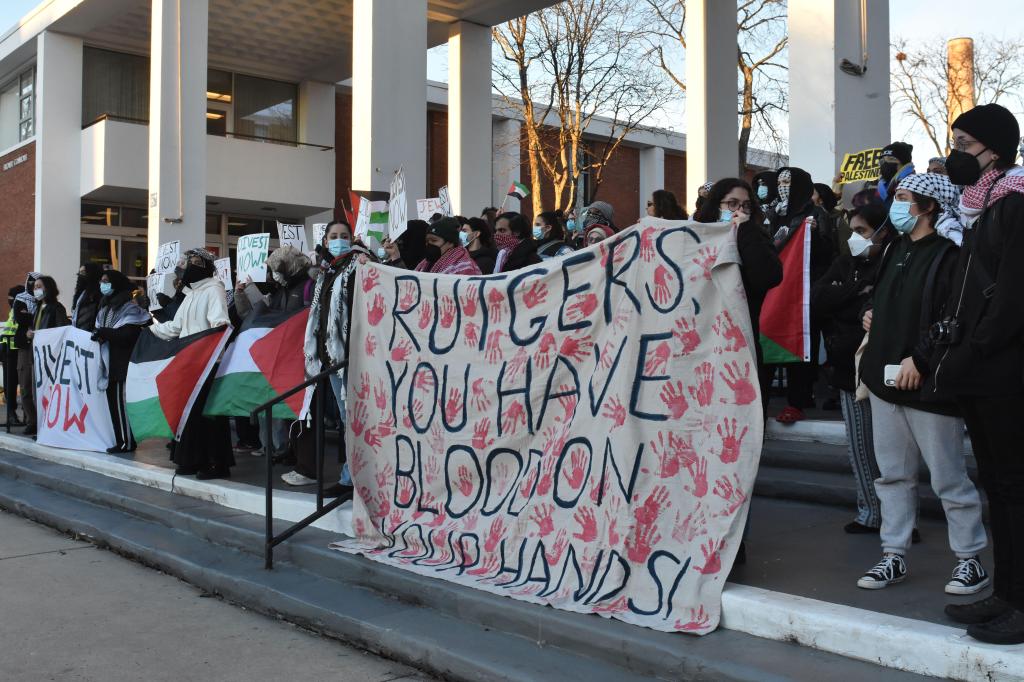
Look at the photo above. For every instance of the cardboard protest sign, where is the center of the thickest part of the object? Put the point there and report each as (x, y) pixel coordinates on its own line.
(71, 390)
(584, 433)
(446, 202)
(159, 283)
(252, 257)
(319, 230)
(223, 266)
(294, 235)
(861, 166)
(398, 208)
(168, 256)
(426, 208)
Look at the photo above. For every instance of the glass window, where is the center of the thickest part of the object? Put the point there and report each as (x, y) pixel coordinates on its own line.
(218, 86)
(27, 121)
(101, 214)
(134, 217)
(216, 122)
(133, 258)
(100, 251)
(114, 84)
(265, 108)
(239, 227)
(213, 224)
(10, 115)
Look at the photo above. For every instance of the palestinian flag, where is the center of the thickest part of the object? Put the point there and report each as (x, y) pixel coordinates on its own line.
(165, 377)
(264, 361)
(518, 191)
(371, 213)
(786, 313)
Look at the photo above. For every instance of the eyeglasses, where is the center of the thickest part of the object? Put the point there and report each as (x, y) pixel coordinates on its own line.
(650, 203)
(961, 144)
(734, 204)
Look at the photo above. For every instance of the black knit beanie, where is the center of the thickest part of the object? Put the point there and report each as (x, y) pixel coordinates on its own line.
(900, 150)
(994, 126)
(447, 229)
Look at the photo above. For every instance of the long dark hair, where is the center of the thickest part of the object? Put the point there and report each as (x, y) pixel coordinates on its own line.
(518, 225)
(710, 212)
(483, 228)
(666, 206)
(50, 289)
(551, 218)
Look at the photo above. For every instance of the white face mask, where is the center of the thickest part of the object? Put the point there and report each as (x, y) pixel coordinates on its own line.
(39, 293)
(859, 246)
(279, 278)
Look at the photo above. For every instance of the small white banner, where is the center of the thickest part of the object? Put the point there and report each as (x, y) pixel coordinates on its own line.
(252, 257)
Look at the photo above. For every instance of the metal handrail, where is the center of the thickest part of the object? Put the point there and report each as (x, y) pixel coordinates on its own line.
(322, 384)
(241, 136)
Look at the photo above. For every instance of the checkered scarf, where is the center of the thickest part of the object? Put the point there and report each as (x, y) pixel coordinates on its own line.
(946, 194)
(972, 203)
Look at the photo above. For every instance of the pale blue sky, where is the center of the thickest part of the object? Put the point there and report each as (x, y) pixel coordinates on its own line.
(912, 19)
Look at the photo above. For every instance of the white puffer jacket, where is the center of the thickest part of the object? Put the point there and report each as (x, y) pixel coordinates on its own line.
(205, 306)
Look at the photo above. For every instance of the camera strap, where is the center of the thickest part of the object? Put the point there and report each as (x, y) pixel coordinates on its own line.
(988, 285)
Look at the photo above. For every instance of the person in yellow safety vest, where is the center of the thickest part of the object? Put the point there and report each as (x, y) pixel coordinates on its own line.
(9, 356)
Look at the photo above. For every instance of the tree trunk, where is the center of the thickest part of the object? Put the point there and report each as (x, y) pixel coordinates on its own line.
(748, 116)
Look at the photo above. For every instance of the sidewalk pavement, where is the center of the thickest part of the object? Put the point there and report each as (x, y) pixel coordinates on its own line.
(72, 611)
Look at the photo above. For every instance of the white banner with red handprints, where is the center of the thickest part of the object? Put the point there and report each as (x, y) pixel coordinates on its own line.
(584, 433)
(70, 390)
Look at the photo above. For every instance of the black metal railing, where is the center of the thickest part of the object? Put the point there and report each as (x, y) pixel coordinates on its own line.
(322, 383)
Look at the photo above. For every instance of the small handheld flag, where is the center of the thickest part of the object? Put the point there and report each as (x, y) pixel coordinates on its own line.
(518, 191)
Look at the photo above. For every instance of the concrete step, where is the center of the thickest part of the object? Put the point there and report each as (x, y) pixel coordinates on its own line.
(440, 627)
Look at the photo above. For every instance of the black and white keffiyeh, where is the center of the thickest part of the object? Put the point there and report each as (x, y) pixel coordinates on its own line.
(26, 296)
(939, 188)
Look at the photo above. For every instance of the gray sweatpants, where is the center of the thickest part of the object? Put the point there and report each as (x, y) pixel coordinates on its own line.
(901, 435)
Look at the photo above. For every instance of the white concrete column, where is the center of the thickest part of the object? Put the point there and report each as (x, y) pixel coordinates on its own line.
(316, 113)
(712, 146)
(469, 116)
(832, 112)
(389, 95)
(177, 124)
(58, 202)
(505, 161)
(652, 174)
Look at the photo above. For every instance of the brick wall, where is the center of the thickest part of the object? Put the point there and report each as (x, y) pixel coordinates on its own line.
(17, 217)
(437, 152)
(342, 150)
(675, 178)
(620, 185)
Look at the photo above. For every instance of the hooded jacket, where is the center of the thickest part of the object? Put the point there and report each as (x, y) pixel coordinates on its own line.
(799, 207)
(205, 306)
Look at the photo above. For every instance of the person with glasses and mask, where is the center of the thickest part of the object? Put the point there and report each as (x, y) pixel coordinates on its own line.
(980, 357)
(663, 204)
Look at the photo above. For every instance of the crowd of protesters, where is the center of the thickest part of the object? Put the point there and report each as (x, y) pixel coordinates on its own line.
(913, 300)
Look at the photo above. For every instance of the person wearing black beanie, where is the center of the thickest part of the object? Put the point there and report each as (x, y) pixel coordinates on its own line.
(979, 360)
(896, 164)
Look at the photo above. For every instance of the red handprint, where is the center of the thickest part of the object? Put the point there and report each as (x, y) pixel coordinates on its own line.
(472, 334)
(683, 448)
(647, 244)
(380, 395)
(400, 353)
(705, 260)
(693, 526)
(517, 364)
(657, 360)
(364, 386)
(454, 404)
(447, 312)
(730, 441)
(514, 416)
(687, 335)
(371, 280)
(396, 519)
(493, 350)
(494, 305)
(615, 411)
(356, 462)
(611, 517)
(372, 438)
(384, 476)
(588, 524)
(490, 566)
(439, 517)
(535, 295)
(526, 487)
(568, 400)
(558, 548)
(469, 302)
(575, 348)
(359, 416)
(638, 544)
(583, 308)
(431, 470)
(668, 459)
(383, 503)
(743, 390)
(620, 605)
(436, 440)
(662, 293)
(727, 329)
(426, 316)
(699, 473)
(465, 481)
(576, 473)
(417, 411)
(424, 381)
(370, 345)
(547, 474)
(650, 510)
(704, 391)
(405, 492)
(481, 401)
(545, 350)
(542, 517)
(408, 298)
(375, 311)
(494, 535)
(598, 488)
(672, 395)
(481, 434)
(698, 621)
(471, 520)
(712, 557)
(360, 528)
(731, 493)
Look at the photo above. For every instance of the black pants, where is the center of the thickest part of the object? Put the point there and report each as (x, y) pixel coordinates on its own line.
(247, 432)
(11, 384)
(119, 416)
(205, 442)
(996, 428)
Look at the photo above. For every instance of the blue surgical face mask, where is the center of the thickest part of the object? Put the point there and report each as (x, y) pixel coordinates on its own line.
(900, 217)
(339, 247)
(571, 225)
(381, 253)
(106, 288)
(538, 232)
(464, 238)
(762, 192)
(725, 216)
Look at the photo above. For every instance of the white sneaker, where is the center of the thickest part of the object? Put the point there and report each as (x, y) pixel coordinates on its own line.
(295, 478)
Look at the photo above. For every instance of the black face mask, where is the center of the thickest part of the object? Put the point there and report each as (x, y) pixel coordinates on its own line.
(888, 169)
(432, 253)
(963, 168)
(193, 274)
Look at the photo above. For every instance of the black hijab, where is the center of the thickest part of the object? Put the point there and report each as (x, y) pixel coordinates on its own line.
(413, 243)
(769, 179)
(801, 191)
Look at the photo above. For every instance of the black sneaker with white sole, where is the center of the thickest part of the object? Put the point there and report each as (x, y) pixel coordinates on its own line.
(968, 577)
(890, 570)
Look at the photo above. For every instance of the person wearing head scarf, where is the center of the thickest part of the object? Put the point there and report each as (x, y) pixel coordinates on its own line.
(204, 448)
(24, 307)
(118, 324)
(795, 208)
(9, 350)
(50, 314)
(86, 300)
(896, 163)
(937, 165)
(909, 423)
(597, 234)
(598, 213)
(444, 253)
(980, 361)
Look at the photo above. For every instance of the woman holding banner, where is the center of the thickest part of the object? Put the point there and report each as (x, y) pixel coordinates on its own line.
(118, 324)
